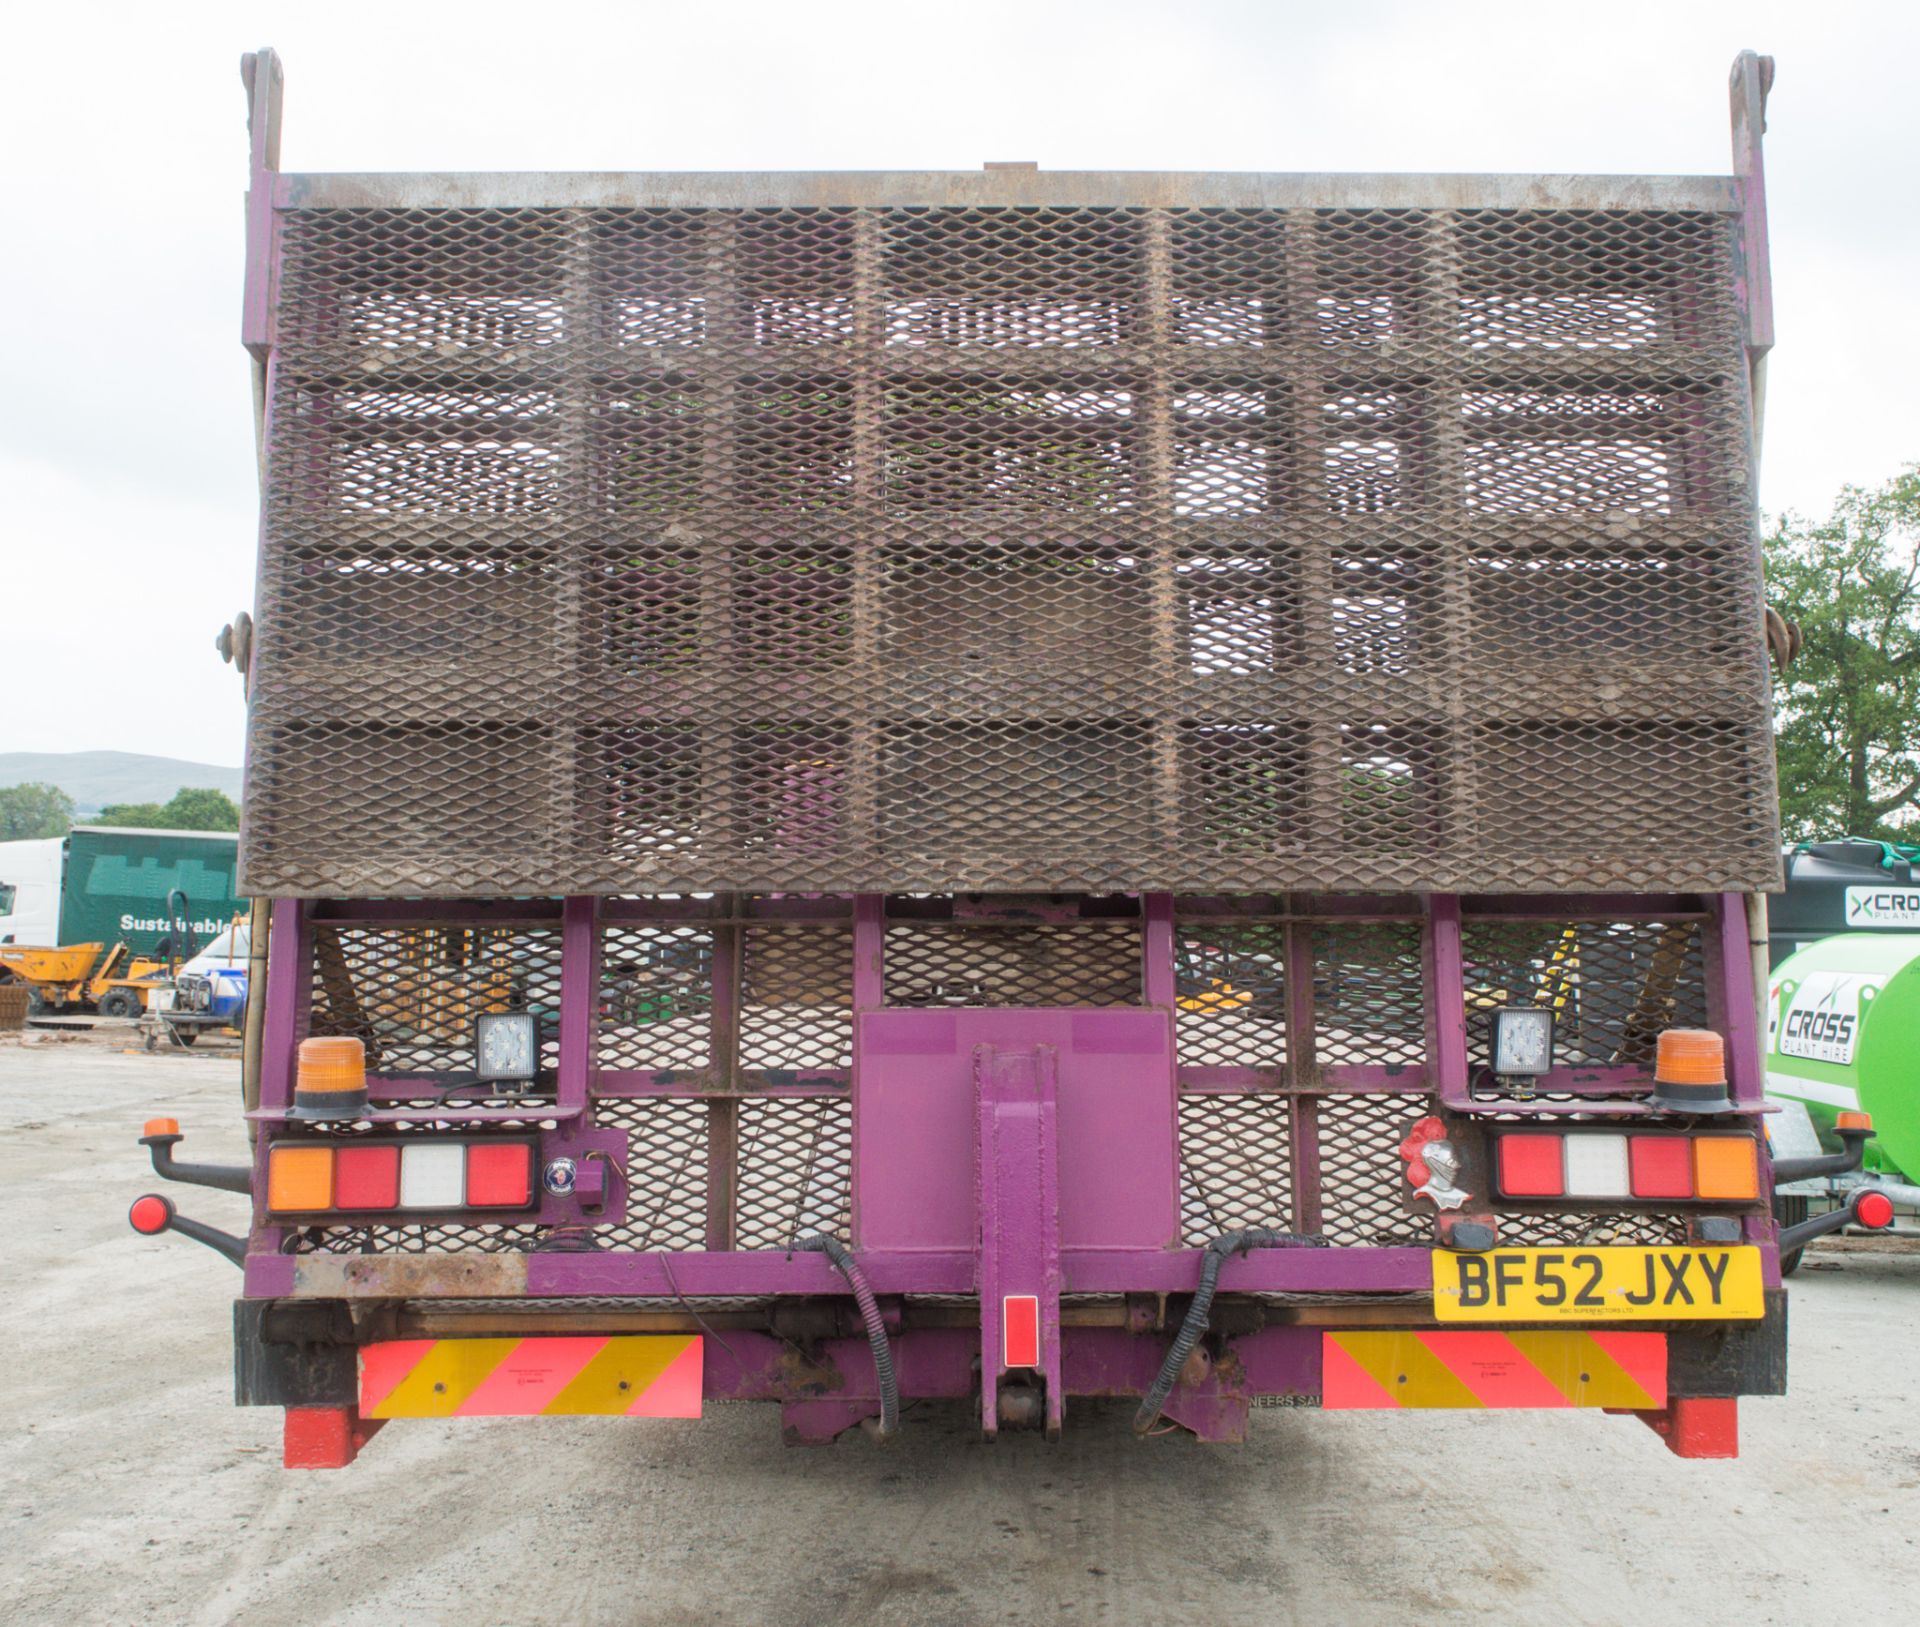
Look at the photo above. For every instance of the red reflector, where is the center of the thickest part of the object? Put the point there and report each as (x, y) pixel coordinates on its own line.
(1874, 1211)
(499, 1175)
(149, 1215)
(1531, 1167)
(1662, 1166)
(366, 1178)
(1020, 1330)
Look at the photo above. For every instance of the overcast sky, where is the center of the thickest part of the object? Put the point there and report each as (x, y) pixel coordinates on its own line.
(125, 426)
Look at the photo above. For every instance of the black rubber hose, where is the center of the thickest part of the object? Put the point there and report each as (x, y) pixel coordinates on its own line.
(1218, 1252)
(848, 1267)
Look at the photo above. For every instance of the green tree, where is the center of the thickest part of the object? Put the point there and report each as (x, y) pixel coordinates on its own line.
(1847, 715)
(200, 808)
(34, 810)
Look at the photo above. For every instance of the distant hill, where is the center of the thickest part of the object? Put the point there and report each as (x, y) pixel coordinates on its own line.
(95, 779)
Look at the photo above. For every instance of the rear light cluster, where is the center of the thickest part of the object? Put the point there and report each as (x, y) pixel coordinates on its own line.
(314, 1177)
(1604, 1164)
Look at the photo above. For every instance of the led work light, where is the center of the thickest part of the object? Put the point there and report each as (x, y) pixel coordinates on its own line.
(506, 1046)
(1522, 1040)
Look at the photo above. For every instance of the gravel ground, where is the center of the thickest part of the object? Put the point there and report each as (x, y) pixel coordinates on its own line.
(132, 1491)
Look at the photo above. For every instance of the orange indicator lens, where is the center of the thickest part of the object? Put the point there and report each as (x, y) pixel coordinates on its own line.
(1724, 1167)
(299, 1179)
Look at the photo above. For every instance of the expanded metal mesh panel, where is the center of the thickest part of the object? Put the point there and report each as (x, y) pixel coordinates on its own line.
(666, 1172)
(1369, 994)
(1076, 963)
(1236, 1165)
(1041, 547)
(1363, 1184)
(1592, 1229)
(795, 1169)
(796, 998)
(1612, 986)
(1230, 985)
(410, 993)
(655, 1009)
(480, 1238)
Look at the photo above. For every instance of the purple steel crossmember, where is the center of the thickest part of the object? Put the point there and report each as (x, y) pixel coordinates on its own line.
(758, 1272)
(1017, 1190)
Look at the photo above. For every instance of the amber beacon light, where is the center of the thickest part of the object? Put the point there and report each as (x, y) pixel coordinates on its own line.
(331, 1079)
(1690, 1072)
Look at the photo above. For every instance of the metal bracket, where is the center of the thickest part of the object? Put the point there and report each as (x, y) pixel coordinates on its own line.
(1016, 1177)
(222, 1177)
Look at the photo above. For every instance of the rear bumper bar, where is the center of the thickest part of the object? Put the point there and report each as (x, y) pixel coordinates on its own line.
(307, 1353)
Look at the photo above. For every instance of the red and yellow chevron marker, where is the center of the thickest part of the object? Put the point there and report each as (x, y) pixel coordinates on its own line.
(631, 1376)
(1483, 1368)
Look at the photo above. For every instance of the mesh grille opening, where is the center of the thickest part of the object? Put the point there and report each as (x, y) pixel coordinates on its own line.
(1080, 963)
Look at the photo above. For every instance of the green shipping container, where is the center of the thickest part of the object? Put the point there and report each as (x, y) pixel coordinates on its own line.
(116, 883)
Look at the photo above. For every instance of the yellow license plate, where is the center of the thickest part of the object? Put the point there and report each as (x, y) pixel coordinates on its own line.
(1598, 1285)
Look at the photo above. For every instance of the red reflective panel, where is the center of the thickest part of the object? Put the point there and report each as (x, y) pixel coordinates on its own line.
(499, 1174)
(1661, 1166)
(366, 1178)
(1020, 1325)
(1531, 1167)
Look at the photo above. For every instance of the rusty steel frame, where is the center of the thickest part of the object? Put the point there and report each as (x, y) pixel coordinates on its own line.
(1431, 781)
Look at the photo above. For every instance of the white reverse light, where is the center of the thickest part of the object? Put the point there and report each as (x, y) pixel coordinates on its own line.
(1597, 1167)
(1522, 1040)
(433, 1175)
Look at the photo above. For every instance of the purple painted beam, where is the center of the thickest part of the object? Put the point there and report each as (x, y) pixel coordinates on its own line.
(1159, 984)
(1336, 1078)
(769, 1271)
(286, 974)
(1447, 1000)
(772, 1271)
(1086, 1270)
(1740, 1016)
(703, 1082)
(1017, 1196)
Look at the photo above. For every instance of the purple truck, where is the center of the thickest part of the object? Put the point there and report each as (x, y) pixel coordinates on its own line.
(1016, 788)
